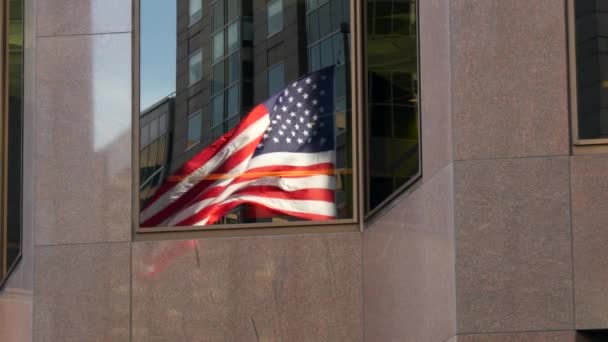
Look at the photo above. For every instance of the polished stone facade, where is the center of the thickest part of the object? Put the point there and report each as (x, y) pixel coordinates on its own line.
(502, 239)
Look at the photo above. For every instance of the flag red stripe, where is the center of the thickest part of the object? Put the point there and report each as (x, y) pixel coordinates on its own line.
(200, 187)
(203, 157)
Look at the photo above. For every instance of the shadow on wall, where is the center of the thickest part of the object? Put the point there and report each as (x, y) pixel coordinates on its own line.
(592, 336)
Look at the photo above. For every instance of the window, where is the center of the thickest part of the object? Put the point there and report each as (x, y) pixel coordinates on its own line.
(275, 16)
(274, 138)
(590, 109)
(12, 149)
(233, 37)
(393, 140)
(218, 46)
(195, 67)
(276, 78)
(195, 10)
(194, 129)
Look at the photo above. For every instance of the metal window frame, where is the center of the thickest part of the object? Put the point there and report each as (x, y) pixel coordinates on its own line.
(262, 228)
(579, 146)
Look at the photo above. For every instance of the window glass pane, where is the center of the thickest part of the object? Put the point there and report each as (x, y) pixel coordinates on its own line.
(336, 13)
(194, 129)
(233, 37)
(154, 130)
(144, 136)
(325, 21)
(312, 111)
(275, 16)
(233, 101)
(162, 146)
(195, 10)
(247, 30)
(393, 114)
(233, 9)
(591, 67)
(315, 58)
(233, 68)
(217, 110)
(327, 56)
(218, 46)
(313, 27)
(276, 78)
(218, 77)
(162, 124)
(195, 73)
(218, 15)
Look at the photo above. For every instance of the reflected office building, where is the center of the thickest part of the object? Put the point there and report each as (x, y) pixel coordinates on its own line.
(231, 55)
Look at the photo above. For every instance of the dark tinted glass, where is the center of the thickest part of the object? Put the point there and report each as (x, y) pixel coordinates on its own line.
(393, 141)
(237, 74)
(592, 68)
(11, 233)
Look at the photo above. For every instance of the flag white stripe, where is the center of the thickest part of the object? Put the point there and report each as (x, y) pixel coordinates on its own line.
(285, 184)
(248, 135)
(310, 207)
(292, 159)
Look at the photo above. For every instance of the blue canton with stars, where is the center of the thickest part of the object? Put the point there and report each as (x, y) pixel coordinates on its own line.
(301, 116)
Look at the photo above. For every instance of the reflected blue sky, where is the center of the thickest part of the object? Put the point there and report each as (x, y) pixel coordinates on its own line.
(158, 47)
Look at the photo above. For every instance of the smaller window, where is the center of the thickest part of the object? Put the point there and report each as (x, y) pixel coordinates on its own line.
(217, 110)
(162, 124)
(276, 78)
(195, 68)
(232, 10)
(218, 15)
(144, 136)
(218, 77)
(275, 16)
(233, 101)
(196, 10)
(233, 37)
(218, 46)
(233, 68)
(194, 129)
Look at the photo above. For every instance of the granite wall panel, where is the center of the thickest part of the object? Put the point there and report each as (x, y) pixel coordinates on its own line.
(509, 78)
(589, 184)
(513, 245)
(82, 293)
(276, 288)
(83, 158)
(408, 266)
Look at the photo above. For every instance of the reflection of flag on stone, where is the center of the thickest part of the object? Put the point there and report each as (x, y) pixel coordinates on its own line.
(279, 157)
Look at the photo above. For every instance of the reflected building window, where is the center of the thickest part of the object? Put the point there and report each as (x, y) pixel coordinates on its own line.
(195, 10)
(194, 129)
(276, 78)
(275, 16)
(195, 67)
(393, 142)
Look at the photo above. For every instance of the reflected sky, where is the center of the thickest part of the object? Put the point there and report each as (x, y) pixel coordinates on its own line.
(157, 54)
